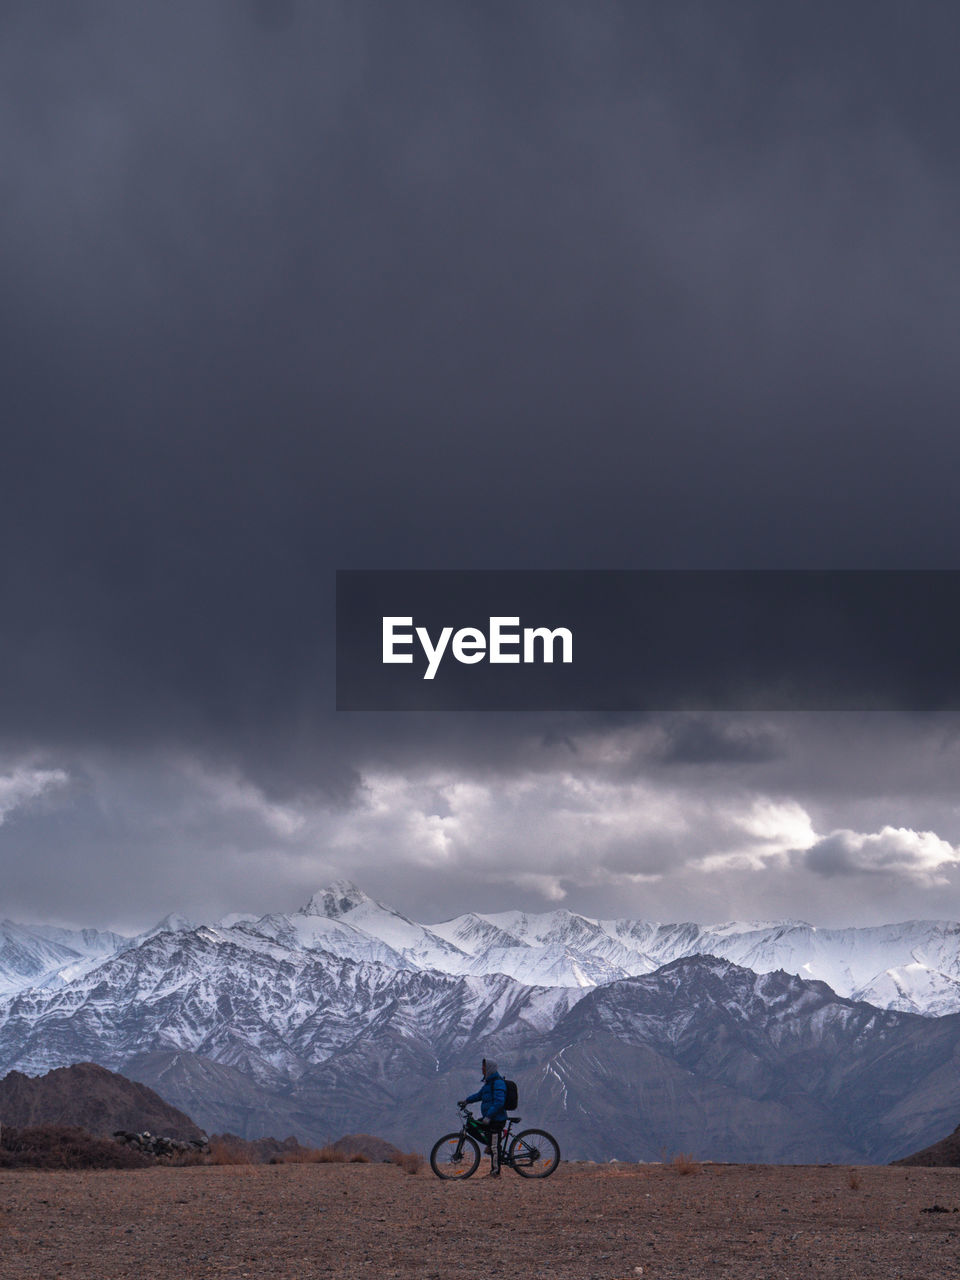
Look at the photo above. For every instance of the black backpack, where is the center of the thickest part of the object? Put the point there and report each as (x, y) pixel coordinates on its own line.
(513, 1098)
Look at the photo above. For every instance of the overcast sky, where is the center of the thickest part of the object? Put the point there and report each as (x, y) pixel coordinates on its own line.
(292, 287)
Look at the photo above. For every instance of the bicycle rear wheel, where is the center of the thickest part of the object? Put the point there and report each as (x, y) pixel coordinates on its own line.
(534, 1154)
(454, 1156)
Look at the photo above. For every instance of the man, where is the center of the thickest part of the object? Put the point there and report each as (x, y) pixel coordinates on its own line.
(492, 1096)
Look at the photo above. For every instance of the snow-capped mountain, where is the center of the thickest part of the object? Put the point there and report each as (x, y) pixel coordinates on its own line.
(858, 963)
(417, 945)
(269, 1008)
(701, 1055)
(556, 948)
(714, 1058)
(33, 955)
(256, 1035)
(913, 967)
(347, 1015)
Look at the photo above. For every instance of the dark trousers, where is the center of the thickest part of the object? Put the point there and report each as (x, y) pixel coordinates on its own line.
(490, 1134)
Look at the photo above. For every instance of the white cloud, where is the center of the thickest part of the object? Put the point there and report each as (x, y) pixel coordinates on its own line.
(590, 828)
(921, 856)
(779, 835)
(548, 887)
(765, 833)
(23, 785)
(539, 832)
(553, 833)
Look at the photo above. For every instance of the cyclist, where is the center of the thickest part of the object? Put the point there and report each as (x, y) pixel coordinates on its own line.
(492, 1096)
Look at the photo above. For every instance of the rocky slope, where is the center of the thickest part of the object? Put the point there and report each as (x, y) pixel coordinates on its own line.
(92, 1098)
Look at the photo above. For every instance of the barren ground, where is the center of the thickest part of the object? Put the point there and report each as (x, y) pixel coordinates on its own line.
(603, 1221)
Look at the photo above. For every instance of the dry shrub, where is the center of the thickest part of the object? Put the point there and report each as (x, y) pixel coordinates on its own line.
(853, 1179)
(312, 1155)
(185, 1159)
(299, 1155)
(686, 1164)
(229, 1152)
(377, 1150)
(408, 1161)
(52, 1146)
(358, 1158)
(328, 1155)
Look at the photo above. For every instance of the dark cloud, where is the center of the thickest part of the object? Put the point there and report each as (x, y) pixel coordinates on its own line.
(697, 740)
(292, 287)
(832, 856)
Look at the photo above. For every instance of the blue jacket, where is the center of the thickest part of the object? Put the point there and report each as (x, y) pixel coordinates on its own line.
(492, 1097)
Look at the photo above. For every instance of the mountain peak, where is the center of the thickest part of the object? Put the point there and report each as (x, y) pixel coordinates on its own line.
(335, 900)
(174, 922)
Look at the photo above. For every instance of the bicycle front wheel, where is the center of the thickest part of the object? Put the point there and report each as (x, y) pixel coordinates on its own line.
(454, 1156)
(534, 1154)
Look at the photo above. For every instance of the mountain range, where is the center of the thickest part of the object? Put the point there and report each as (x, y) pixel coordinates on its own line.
(913, 966)
(628, 1038)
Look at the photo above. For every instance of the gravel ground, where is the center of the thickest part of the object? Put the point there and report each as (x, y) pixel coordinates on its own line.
(587, 1221)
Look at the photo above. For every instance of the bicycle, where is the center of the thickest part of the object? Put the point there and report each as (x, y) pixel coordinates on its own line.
(533, 1153)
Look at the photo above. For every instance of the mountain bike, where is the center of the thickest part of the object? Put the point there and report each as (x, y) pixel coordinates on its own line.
(533, 1153)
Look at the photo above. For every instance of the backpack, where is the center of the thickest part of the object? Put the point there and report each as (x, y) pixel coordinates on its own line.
(513, 1098)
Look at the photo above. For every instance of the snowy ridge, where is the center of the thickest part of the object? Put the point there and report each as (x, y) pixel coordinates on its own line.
(912, 967)
(37, 955)
(237, 998)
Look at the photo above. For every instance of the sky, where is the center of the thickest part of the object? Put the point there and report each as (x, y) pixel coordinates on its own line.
(289, 287)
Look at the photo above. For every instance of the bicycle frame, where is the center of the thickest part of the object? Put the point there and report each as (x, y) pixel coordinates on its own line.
(502, 1135)
(532, 1153)
(503, 1139)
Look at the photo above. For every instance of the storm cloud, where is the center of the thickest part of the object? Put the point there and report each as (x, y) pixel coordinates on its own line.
(287, 288)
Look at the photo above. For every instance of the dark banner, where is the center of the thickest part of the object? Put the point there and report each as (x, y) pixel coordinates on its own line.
(647, 640)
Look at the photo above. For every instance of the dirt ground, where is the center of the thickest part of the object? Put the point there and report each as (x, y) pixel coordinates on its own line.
(586, 1222)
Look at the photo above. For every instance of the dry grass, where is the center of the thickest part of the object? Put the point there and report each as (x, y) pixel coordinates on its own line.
(185, 1159)
(229, 1149)
(302, 1155)
(685, 1164)
(52, 1146)
(315, 1155)
(327, 1155)
(408, 1161)
(229, 1152)
(854, 1179)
